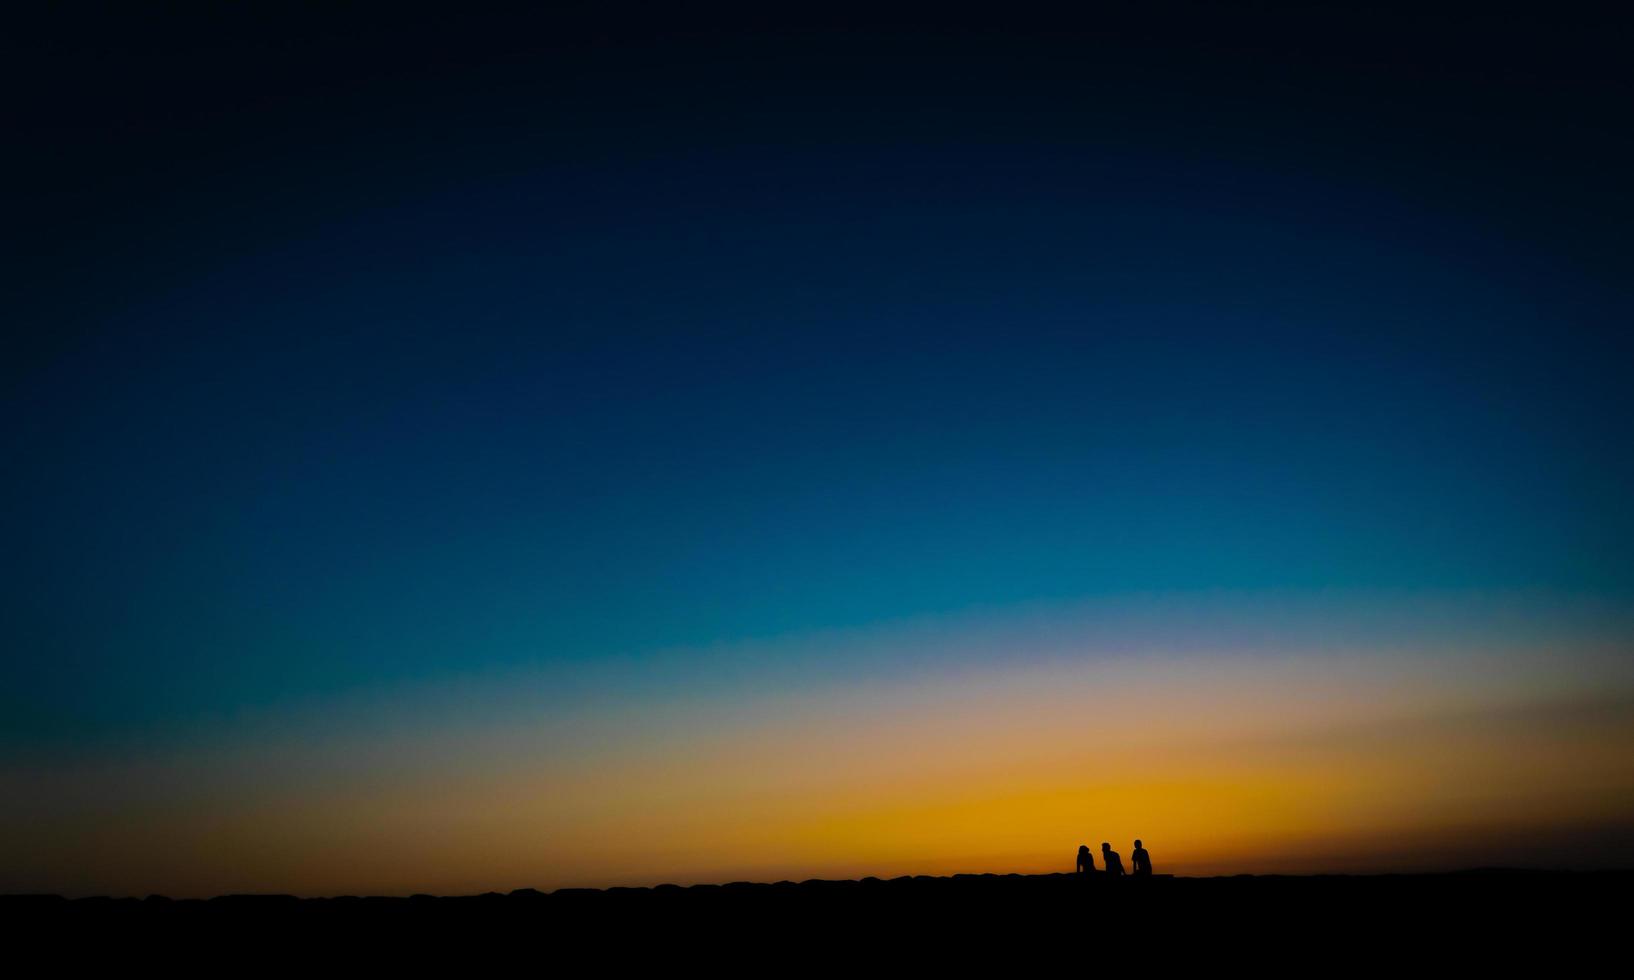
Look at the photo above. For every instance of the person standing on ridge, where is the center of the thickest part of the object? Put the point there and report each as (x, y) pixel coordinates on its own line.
(1110, 859)
(1140, 863)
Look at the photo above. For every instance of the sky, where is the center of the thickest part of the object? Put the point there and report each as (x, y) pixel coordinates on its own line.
(542, 450)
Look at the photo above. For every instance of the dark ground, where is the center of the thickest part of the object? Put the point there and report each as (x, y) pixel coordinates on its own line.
(1505, 918)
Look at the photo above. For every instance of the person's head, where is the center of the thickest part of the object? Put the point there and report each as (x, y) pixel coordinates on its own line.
(1105, 847)
(1138, 843)
(1083, 848)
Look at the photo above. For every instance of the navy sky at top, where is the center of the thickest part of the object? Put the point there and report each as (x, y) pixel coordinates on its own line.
(348, 347)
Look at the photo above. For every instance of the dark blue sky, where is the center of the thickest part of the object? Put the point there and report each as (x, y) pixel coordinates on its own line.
(355, 350)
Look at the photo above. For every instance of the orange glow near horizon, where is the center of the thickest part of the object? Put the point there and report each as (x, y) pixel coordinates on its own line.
(1222, 764)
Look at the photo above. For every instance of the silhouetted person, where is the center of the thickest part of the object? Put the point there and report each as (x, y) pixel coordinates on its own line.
(1086, 861)
(1109, 858)
(1140, 863)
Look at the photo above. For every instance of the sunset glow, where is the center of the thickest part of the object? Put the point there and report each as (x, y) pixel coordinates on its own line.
(507, 449)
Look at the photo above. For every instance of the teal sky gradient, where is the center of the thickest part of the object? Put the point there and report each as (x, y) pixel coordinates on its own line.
(390, 388)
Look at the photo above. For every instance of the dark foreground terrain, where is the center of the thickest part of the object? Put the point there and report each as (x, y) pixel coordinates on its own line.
(1455, 921)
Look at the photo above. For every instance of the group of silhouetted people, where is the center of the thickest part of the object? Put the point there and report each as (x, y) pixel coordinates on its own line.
(1113, 864)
